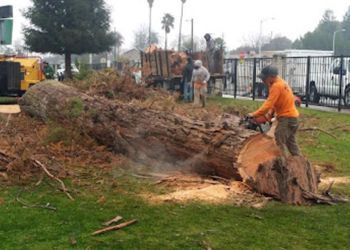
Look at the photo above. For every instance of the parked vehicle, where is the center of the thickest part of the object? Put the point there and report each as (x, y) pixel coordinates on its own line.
(327, 83)
(164, 67)
(320, 80)
(62, 68)
(17, 74)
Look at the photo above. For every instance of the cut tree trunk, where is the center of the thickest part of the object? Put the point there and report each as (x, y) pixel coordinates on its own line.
(68, 65)
(163, 139)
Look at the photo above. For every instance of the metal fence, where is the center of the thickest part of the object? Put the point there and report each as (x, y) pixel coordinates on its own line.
(322, 81)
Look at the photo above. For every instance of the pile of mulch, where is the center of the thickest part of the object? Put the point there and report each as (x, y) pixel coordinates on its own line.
(24, 140)
(112, 85)
(122, 88)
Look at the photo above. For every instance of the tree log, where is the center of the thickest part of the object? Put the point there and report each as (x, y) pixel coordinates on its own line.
(164, 139)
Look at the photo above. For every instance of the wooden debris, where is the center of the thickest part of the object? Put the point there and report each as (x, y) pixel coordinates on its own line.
(10, 109)
(218, 178)
(47, 172)
(113, 228)
(328, 190)
(112, 221)
(317, 129)
(26, 204)
(191, 180)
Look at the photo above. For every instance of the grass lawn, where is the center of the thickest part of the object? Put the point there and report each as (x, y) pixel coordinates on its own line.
(176, 226)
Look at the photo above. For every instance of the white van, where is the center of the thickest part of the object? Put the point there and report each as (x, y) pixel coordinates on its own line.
(325, 83)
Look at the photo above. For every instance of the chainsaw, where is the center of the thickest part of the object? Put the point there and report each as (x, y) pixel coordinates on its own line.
(261, 123)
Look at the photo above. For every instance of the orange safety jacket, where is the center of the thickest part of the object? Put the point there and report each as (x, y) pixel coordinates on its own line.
(281, 100)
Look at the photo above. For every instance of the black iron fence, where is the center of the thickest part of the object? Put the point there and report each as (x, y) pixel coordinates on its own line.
(322, 81)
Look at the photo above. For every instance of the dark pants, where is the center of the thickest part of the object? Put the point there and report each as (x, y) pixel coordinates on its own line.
(285, 135)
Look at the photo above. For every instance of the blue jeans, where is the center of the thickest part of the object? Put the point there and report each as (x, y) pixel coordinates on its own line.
(188, 91)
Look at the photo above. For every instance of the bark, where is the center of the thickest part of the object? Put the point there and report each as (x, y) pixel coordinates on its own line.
(68, 65)
(283, 179)
(163, 139)
(157, 138)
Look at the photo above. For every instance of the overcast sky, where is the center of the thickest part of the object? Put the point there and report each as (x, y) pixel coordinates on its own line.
(235, 20)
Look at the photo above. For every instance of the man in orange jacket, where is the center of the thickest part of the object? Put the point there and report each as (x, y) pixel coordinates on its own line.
(281, 100)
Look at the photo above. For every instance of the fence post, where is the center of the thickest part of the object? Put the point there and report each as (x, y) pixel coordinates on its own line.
(307, 90)
(341, 70)
(235, 78)
(254, 78)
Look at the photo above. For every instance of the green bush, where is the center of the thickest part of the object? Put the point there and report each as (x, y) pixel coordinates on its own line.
(56, 135)
(75, 107)
(84, 72)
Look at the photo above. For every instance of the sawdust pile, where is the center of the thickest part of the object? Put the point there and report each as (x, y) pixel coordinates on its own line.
(325, 182)
(190, 188)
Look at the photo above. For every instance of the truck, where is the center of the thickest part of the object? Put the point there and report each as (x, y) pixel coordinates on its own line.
(163, 68)
(17, 74)
(324, 78)
(332, 82)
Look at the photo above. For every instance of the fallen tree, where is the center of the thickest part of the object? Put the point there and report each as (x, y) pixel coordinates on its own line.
(154, 137)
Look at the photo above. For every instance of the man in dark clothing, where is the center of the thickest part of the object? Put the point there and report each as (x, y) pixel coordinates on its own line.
(210, 52)
(187, 80)
(48, 71)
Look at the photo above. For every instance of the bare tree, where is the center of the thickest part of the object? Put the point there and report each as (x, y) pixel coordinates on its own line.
(198, 44)
(142, 39)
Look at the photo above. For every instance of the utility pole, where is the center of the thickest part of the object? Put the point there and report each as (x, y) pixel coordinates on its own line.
(261, 31)
(192, 38)
(180, 30)
(334, 35)
(115, 52)
(150, 2)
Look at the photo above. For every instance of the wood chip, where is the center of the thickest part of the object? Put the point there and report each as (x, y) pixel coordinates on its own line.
(10, 109)
(114, 220)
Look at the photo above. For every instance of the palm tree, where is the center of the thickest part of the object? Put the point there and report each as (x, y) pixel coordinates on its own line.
(150, 2)
(181, 17)
(167, 25)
